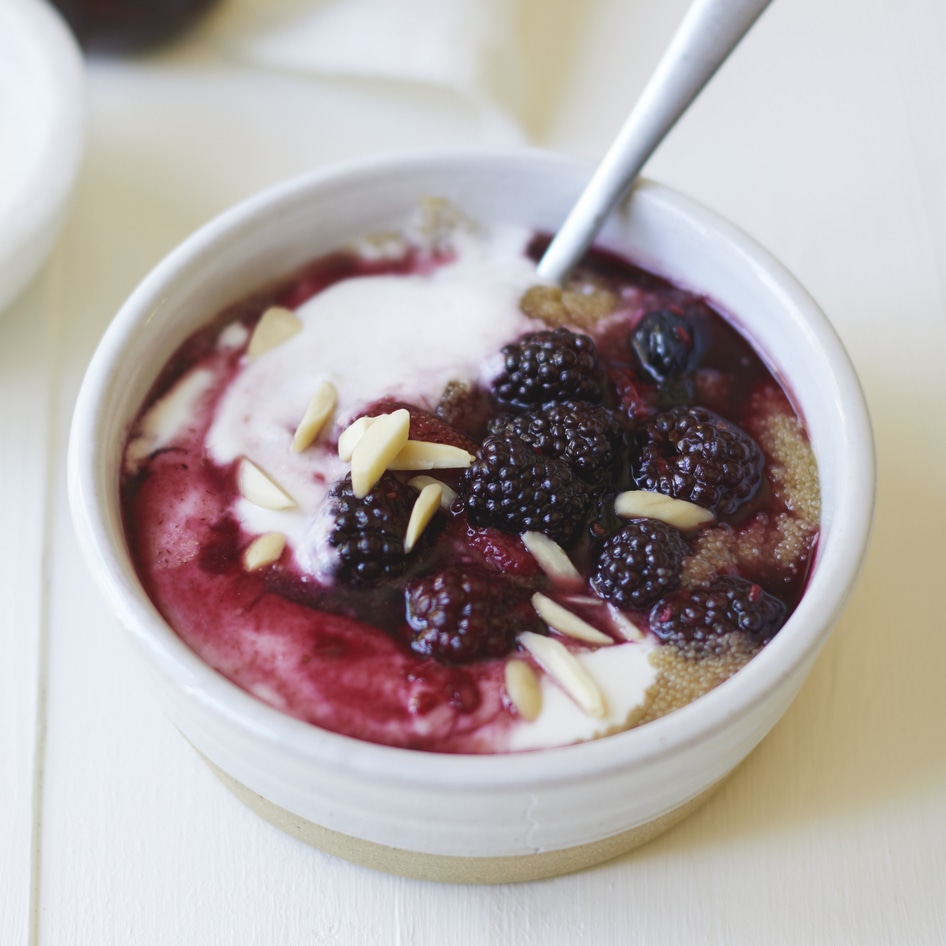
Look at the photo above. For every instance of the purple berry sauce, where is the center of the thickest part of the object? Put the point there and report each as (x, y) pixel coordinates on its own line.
(397, 660)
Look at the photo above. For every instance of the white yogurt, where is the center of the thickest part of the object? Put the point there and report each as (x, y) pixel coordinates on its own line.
(380, 336)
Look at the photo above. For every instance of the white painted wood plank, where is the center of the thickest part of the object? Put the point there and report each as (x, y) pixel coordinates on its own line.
(835, 829)
(25, 380)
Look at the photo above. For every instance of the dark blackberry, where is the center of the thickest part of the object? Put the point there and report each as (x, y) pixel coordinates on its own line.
(465, 613)
(511, 486)
(602, 519)
(368, 533)
(691, 453)
(584, 435)
(553, 365)
(638, 565)
(668, 344)
(702, 619)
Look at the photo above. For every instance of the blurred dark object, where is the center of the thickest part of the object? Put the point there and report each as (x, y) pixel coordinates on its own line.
(130, 25)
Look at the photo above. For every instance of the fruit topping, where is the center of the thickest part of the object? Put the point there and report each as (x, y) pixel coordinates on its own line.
(668, 344)
(638, 565)
(694, 454)
(514, 488)
(555, 527)
(500, 550)
(701, 619)
(584, 435)
(553, 365)
(368, 532)
(464, 613)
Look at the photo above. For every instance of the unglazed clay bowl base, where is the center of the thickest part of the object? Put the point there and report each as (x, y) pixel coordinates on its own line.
(454, 869)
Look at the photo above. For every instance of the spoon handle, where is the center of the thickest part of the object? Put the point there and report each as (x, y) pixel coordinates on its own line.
(709, 32)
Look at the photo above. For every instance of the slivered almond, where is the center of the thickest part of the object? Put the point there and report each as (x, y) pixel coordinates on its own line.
(624, 625)
(421, 455)
(675, 512)
(263, 550)
(426, 504)
(447, 495)
(275, 326)
(563, 667)
(260, 489)
(316, 415)
(523, 689)
(567, 622)
(551, 558)
(378, 446)
(351, 435)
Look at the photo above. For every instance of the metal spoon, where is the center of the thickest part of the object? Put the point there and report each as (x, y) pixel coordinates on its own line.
(709, 32)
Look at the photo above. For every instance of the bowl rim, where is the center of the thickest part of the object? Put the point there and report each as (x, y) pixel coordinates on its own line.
(831, 582)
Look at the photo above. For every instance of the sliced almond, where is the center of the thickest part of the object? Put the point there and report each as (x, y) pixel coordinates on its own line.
(567, 622)
(523, 689)
(551, 558)
(426, 504)
(260, 489)
(275, 326)
(378, 446)
(624, 625)
(447, 495)
(264, 550)
(421, 455)
(320, 409)
(651, 505)
(351, 435)
(563, 667)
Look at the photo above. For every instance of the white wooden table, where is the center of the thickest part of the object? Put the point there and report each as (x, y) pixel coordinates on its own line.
(824, 137)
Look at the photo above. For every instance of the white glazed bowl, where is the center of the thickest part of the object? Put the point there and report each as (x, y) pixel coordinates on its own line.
(473, 818)
(42, 128)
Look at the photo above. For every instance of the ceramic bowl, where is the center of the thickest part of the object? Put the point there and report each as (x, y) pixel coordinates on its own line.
(473, 818)
(42, 127)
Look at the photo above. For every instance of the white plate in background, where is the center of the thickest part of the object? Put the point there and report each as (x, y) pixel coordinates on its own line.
(42, 125)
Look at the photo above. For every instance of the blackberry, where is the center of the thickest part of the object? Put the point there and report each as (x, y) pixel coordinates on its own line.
(638, 565)
(668, 344)
(464, 613)
(368, 533)
(552, 365)
(511, 486)
(586, 436)
(702, 619)
(691, 453)
(602, 519)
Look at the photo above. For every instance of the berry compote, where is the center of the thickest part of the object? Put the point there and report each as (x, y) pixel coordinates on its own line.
(411, 496)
